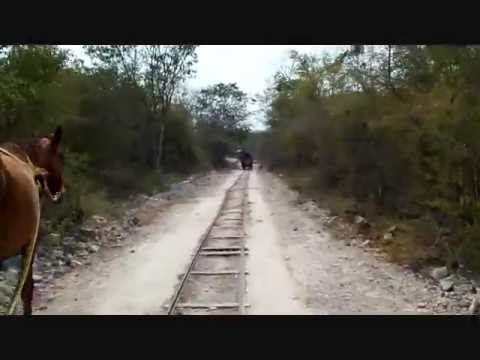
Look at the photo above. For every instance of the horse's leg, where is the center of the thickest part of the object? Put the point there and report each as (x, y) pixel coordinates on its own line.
(27, 291)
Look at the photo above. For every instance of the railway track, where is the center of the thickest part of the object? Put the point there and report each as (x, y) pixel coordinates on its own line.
(215, 280)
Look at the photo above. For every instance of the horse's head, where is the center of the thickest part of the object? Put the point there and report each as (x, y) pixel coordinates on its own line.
(45, 152)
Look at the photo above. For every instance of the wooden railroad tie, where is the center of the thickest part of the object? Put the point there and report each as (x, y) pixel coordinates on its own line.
(217, 273)
(224, 248)
(210, 306)
(222, 253)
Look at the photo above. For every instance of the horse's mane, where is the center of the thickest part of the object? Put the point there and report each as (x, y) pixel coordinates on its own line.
(24, 149)
(19, 150)
(16, 150)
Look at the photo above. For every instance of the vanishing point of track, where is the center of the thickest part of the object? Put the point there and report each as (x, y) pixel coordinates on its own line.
(218, 264)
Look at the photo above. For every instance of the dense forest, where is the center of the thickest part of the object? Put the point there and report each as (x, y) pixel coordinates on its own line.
(129, 121)
(389, 132)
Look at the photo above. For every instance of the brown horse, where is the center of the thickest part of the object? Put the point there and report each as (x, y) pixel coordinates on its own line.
(26, 172)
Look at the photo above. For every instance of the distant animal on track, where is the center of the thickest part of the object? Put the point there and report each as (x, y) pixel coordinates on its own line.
(246, 160)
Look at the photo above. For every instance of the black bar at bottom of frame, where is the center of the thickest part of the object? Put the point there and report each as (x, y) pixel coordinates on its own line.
(256, 321)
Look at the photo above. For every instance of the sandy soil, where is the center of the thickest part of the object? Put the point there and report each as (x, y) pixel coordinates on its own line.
(270, 286)
(139, 278)
(294, 265)
(330, 277)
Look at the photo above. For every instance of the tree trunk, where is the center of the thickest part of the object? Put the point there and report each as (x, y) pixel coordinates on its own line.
(148, 142)
(161, 137)
(390, 65)
(389, 75)
(475, 181)
(159, 146)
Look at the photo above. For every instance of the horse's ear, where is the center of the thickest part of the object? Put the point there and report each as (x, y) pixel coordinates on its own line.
(57, 135)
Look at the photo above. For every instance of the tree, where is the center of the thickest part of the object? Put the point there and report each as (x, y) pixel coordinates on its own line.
(221, 114)
(393, 127)
(27, 74)
(166, 67)
(222, 105)
(123, 60)
(159, 70)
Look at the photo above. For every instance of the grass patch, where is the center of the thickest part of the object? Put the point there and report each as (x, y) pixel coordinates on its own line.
(106, 194)
(412, 242)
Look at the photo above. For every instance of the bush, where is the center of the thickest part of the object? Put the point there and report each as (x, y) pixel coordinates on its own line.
(469, 250)
(401, 144)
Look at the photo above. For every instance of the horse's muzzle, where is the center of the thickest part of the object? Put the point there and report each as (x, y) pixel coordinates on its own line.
(58, 197)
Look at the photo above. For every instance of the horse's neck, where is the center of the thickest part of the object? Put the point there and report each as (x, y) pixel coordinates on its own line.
(21, 151)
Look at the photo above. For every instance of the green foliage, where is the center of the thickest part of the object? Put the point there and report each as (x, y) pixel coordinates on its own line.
(182, 148)
(394, 127)
(470, 246)
(112, 114)
(221, 117)
(27, 75)
(158, 70)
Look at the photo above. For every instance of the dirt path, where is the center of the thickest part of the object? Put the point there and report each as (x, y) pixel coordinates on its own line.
(271, 289)
(333, 278)
(329, 277)
(140, 278)
(294, 266)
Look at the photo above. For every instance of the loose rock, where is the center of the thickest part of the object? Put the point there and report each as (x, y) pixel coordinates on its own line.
(81, 246)
(475, 306)
(439, 273)
(58, 254)
(392, 229)
(359, 220)
(11, 275)
(87, 232)
(99, 219)
(365, 243)
(354, 242)
(69, 244)
(446, 285)
(83, 253)
(5, 289)
(4, 298)
(388, 236)
(76, 263)
(54, 238)
(72, 262)
(93, 248)
(465, 289)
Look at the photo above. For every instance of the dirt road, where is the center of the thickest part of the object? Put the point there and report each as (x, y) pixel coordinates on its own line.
(139, 278)
(294, 265)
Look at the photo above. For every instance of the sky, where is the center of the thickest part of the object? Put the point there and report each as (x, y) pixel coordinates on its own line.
(250, 66)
